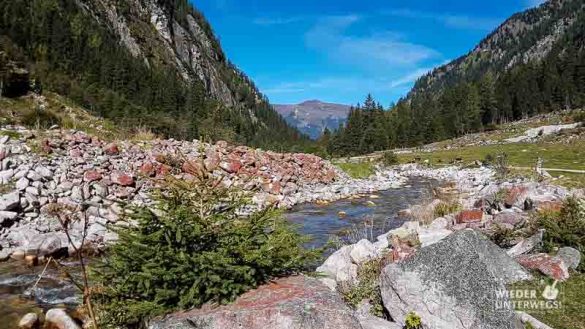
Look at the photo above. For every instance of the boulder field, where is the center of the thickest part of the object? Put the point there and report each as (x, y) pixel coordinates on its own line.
(39, 169)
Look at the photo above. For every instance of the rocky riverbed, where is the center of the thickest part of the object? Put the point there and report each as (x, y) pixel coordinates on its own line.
(42, 168)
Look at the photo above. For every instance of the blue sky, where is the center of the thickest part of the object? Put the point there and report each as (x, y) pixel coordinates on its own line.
(338, 51)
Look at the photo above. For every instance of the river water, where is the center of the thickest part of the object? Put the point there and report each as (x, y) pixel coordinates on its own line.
(365, 217)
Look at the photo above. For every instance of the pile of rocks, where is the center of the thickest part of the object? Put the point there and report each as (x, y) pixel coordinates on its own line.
(78, 170)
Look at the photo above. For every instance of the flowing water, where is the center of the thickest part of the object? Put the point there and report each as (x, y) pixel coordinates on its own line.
(362, 220)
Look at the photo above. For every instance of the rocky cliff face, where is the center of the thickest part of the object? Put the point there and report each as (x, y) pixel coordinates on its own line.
(174, 37)
(525, 37)
(312, 117)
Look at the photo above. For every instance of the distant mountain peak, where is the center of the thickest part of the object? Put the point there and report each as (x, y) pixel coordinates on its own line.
(311, 117)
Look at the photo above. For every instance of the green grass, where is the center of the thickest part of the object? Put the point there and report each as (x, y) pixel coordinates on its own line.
(570, 180)
(565, 156)
(357, 170)
(572, 313)
(6, 188)
(11, 134)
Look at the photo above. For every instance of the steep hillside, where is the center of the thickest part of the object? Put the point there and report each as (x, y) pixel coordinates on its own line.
(313, 117)
(534, 63)
(153, 63)
(523, 38)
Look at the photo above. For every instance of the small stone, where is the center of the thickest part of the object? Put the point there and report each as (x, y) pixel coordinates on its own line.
(31, 260)
(34, 176)
(29, 321)
(10, 201)
(341, 214)
(6, 176)
(121, 178)
(44, 172)
(32, 190)
(231, 166)
(469, 216)
(111, 149)
(22, 184)
(91, 175)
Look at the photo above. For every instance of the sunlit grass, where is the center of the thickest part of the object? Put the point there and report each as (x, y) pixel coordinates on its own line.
(565, 156)
(357, 170)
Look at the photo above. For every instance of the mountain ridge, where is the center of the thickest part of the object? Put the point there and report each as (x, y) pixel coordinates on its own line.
(507, 45)
(152, 63)
(312, 117)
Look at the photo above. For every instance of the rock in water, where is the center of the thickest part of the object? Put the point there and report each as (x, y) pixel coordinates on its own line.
(29, 321)
(289, 303)
(58, 318)
(453, 284)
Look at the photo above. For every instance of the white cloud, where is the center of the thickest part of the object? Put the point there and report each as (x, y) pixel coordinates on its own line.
(449, 20)
(409, 78)
(385, 50)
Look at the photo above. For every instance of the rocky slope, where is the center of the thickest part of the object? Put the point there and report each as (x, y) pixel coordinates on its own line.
(153, 32)
(152, 63)
(525, 37)
(312, 117)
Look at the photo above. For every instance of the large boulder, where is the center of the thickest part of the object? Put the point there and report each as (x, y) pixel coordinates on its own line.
(297, 302)
(453, 284)
(339, 266)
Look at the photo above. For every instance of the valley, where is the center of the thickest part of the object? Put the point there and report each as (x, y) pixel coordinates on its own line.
(146, 181)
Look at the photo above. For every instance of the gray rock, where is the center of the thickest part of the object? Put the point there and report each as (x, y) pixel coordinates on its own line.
(10, 201)
(453, 284)
(289, 303)
(5, 254)
(60, 319)
(526, 245)
(6, 176)
(34, 176)
(339, 266)
(7, 215)
(44, 172)
(32, 190)
(22, 183)
(368, 321)
(47, 244)
(430, 236)
(362, 251)
(570, 256)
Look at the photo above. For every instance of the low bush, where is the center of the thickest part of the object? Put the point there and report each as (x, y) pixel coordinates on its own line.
(389, 158)
(193, 247)
(579, 116)
(565, 228)
(412, 321)
(367, 287)
(446, 208)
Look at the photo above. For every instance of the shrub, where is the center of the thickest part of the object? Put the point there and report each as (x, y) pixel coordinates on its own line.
(193, 248)
(368, 287)
(389, 158)
(412, 321)
(40, 119)
(565, 228)
(579, 116)
(446, 208)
